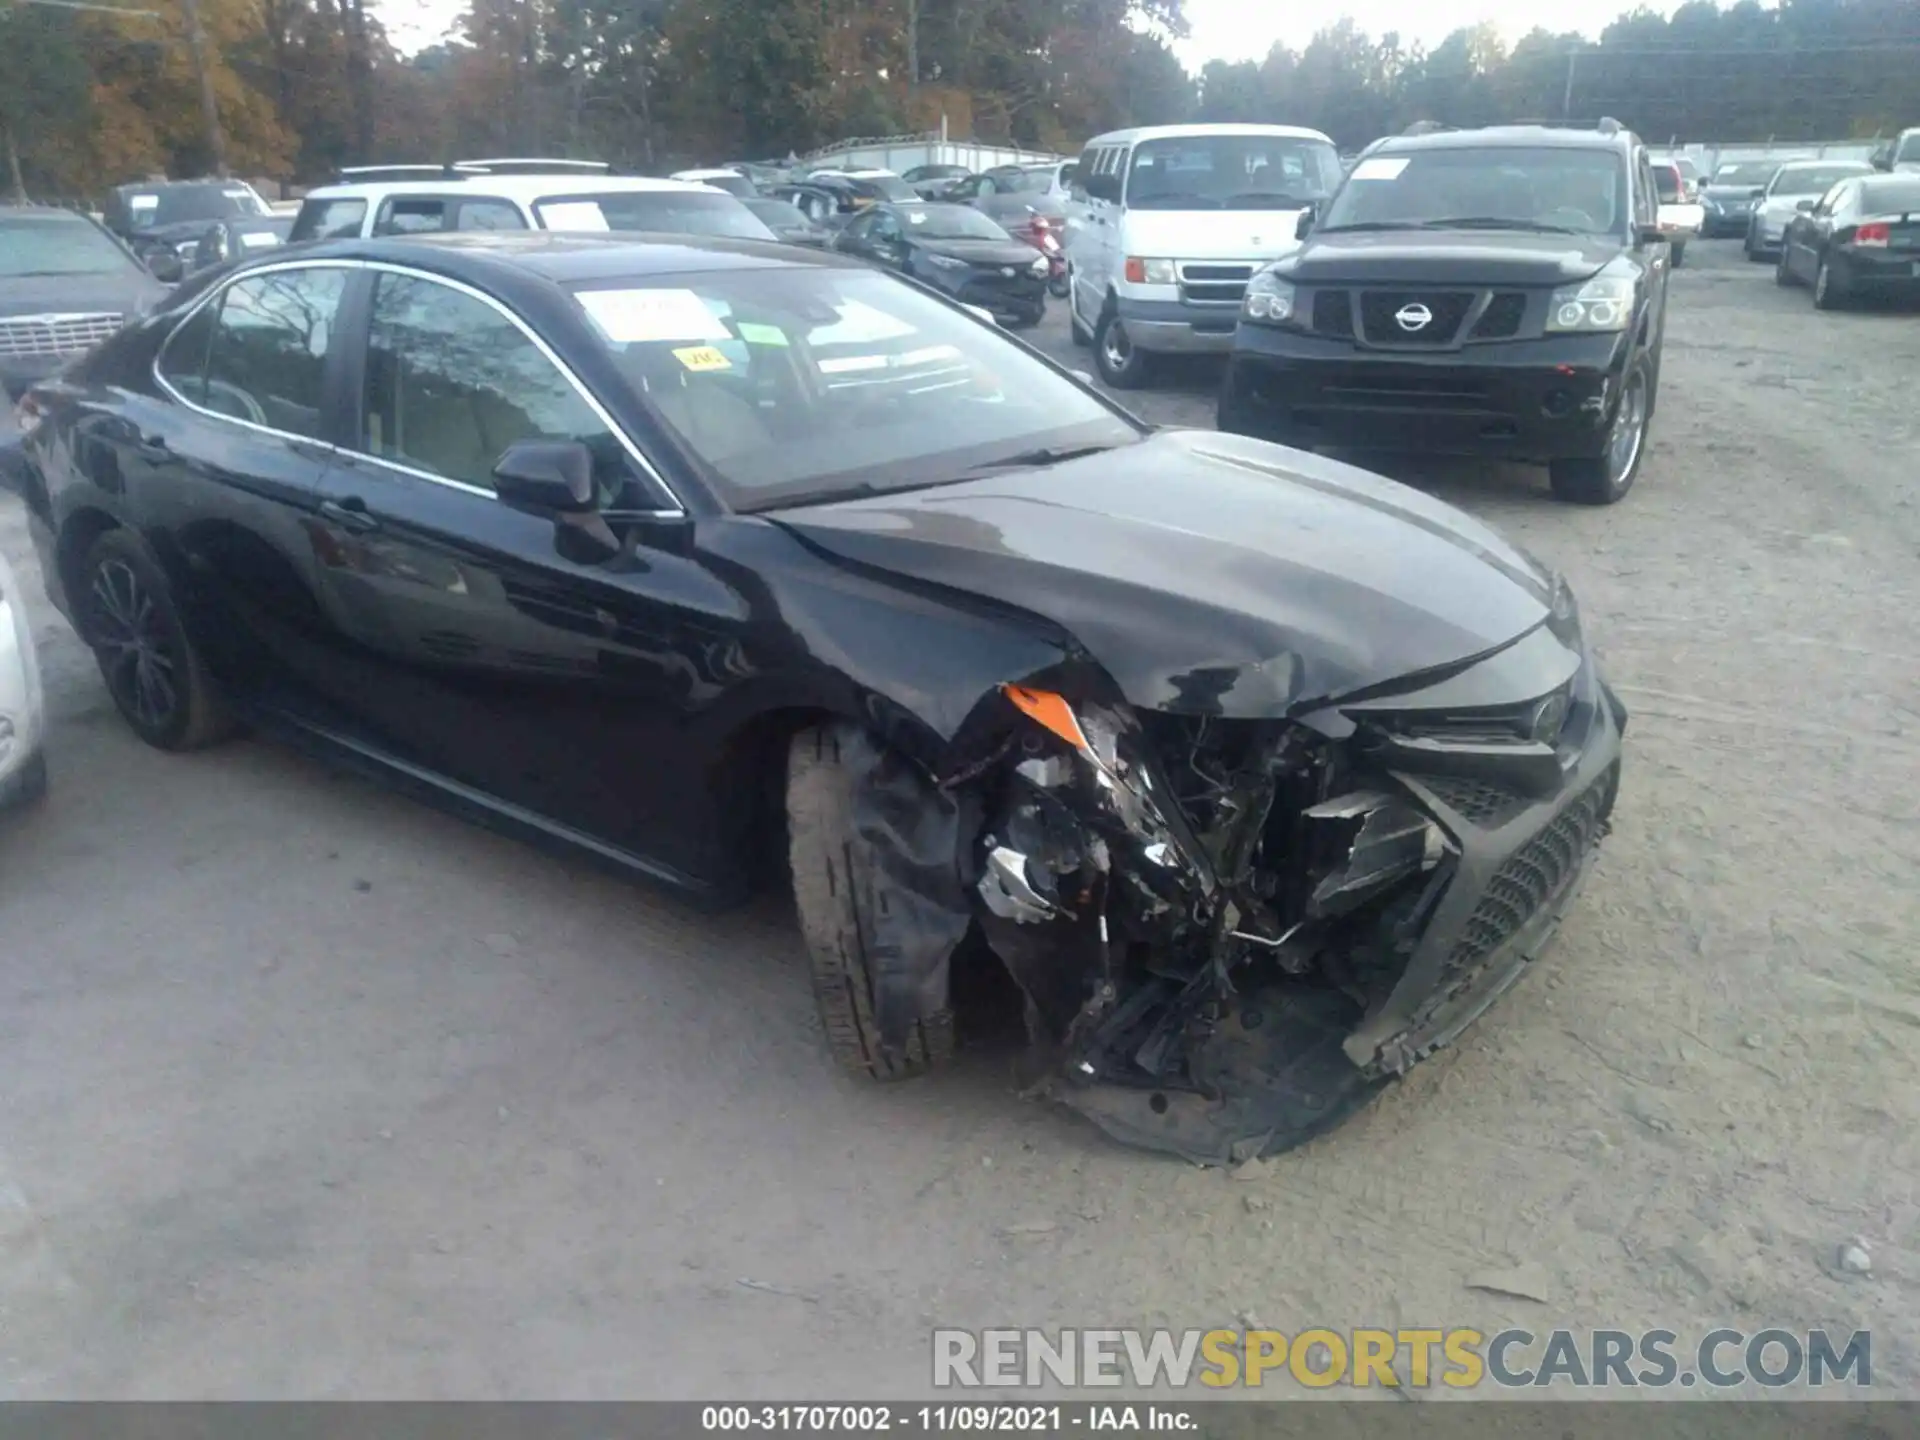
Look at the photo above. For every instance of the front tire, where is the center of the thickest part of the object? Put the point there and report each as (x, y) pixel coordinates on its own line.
(1605, 479)
(1783, 275)
(1679, 256)
(156, 677)
(1121, 363)
(831, 885)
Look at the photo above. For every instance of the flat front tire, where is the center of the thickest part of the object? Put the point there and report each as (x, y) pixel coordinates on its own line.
(831, 884)
(130, 620)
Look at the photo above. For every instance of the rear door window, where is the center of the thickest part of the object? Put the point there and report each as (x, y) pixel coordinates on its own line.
(267, 353)
(329, 220)
(491, 214)
(413, 215)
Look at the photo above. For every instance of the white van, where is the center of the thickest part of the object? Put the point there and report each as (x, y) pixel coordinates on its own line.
(1166, 224)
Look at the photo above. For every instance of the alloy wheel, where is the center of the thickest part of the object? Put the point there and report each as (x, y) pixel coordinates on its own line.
(1115, 348)
(1628, 432)
(131, 635)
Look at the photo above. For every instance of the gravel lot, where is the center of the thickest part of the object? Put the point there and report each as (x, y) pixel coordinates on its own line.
(312, 1092)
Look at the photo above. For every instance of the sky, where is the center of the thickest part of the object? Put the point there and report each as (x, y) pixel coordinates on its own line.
(1222, 29)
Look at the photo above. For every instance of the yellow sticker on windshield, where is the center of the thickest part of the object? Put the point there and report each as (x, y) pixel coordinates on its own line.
(769, 335)
(702, 357)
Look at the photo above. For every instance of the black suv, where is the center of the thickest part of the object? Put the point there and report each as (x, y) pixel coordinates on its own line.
(1494, 292)
(164, 220)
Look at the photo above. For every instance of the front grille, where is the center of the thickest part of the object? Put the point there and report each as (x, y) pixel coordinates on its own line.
(1488, 806)
(1224, 284)
(1501, 319)
(1333, 313)
(1378, 309)
(1530, 879)
(55, 334)
(1406, 392)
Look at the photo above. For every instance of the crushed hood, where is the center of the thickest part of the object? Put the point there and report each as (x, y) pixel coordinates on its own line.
(1448, 257)
(1210, 574)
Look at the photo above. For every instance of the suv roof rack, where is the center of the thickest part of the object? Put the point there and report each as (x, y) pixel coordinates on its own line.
(373, 174)
(1425, 127)
(536, 165)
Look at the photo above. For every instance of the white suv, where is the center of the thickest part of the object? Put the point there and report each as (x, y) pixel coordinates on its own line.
(515, 195)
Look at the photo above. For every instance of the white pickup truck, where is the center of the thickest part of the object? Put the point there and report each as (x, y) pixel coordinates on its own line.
(1681, 213)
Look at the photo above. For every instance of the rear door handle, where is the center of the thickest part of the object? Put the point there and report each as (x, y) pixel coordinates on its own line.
(349, 514)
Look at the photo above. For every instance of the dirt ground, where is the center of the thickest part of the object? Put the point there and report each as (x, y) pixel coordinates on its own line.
(311, 1092)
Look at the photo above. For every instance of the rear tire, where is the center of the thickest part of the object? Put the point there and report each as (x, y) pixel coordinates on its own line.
(1606, 478)
(828, 884)
(156, 677)
(1679, 256)
(1829, 287)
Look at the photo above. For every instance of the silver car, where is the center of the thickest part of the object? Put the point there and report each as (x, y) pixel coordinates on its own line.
(1796, 186)
(23, 765)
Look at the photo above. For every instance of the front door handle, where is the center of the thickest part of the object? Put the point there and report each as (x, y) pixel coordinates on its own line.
(154, 448)
(349, 514)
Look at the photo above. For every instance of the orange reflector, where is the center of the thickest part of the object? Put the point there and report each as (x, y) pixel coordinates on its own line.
(1051, 711)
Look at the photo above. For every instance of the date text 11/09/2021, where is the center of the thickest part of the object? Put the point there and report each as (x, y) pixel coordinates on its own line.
(949, 1419)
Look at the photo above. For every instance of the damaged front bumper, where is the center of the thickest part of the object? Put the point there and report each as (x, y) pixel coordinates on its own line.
(1232, 934)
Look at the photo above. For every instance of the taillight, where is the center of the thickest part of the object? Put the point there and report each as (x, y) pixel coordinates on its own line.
(1136, 270)
(1875, 234)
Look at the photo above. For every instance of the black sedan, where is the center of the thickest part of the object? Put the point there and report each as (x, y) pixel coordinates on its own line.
(65, 285)
(1860, 239)
(1260, 774)
(958, 250)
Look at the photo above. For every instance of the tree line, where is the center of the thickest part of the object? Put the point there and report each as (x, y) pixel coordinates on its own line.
(300, 87)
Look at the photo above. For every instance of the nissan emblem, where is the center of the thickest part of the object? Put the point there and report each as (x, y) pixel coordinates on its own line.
(1413, 317)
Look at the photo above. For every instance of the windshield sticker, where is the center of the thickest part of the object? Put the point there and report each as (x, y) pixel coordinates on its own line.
(259, 242)
(1384, 167)
(699, 358)
(143, 202)
(574, 215)
(636, 317)
(771, 336)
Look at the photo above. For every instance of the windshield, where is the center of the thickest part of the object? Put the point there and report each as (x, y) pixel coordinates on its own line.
(1583, 191)
(170, 204)
(949, 222)
(1893, 195)
(36, 245)
(1231, 172)
(1022, 182)
(1814, 179)
(794, 385)
(1909, 148)
(670, 212)
(1748, 172)
(738, 186)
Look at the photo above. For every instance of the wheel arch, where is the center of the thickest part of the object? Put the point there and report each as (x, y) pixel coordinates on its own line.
(77, 535)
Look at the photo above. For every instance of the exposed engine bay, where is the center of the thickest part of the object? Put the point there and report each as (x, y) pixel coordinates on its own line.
(1230, 933)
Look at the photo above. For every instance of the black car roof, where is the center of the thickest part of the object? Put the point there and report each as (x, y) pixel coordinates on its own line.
(1505, 137)
(475, 255)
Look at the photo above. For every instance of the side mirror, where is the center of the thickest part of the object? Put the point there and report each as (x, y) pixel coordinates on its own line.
(1304, 225)
(547, 478)
(165, 266)
(1803, 206)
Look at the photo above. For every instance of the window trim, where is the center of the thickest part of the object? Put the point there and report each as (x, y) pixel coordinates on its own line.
(678, 509)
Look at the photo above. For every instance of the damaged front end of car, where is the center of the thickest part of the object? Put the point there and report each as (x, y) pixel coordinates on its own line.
(1231, 932)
